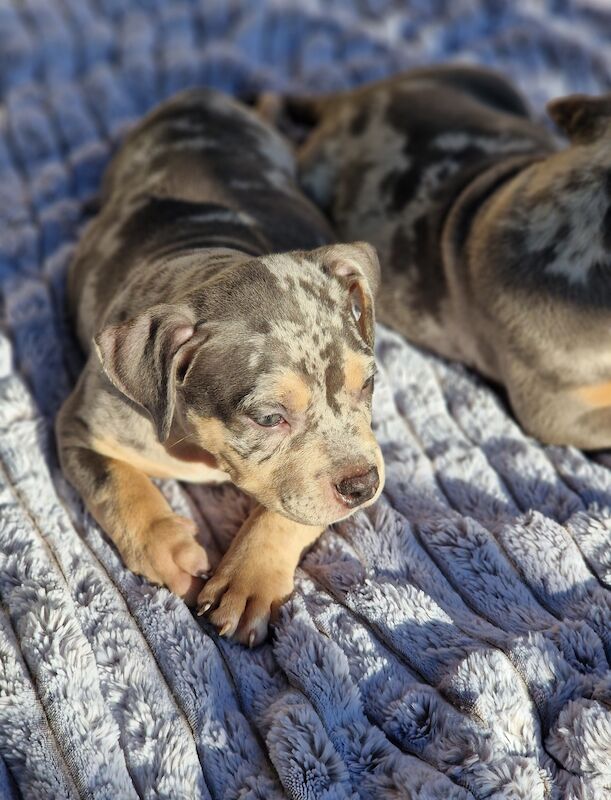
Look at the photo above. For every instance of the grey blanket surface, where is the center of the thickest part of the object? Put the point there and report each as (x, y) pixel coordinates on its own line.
(452, 642)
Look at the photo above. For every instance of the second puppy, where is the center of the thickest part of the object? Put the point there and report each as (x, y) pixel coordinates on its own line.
(495, 246)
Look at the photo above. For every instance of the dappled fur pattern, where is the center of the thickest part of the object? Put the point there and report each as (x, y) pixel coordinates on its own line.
(494, 243)
(451, 643)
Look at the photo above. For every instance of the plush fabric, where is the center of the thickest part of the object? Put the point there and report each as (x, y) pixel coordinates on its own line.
(452, 642)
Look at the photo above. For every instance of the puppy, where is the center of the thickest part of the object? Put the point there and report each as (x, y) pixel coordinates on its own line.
(495, 245)
(216, 355)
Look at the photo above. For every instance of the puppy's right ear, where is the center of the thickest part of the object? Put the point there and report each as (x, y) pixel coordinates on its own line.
(145, 356)
(582, 117)
(357, 267)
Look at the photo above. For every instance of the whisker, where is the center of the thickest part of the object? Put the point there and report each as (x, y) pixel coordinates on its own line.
(179, 441)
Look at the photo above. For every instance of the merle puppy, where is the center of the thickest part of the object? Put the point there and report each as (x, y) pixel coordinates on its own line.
(226, 340)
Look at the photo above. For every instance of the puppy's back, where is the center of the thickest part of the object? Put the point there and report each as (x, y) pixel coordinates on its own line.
(200, 171)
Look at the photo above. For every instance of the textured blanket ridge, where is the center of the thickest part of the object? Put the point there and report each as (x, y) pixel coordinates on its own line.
(452, 642)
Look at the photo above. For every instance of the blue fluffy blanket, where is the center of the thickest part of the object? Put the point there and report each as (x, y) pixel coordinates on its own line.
(453, 642)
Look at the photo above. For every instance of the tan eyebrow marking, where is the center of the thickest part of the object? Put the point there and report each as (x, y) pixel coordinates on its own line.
(354, 371)
(292, 388)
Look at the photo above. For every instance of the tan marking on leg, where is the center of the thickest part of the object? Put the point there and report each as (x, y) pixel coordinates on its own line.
(152, 540)
(596, 395)
(159, 463)
(256, 575)
(131, 501)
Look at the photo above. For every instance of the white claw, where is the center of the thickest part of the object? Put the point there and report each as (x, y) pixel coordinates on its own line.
(202, 609)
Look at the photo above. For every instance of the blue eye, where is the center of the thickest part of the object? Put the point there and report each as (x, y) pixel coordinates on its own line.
(269, 420)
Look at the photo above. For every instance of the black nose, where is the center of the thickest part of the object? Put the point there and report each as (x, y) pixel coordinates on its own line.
(357, 489)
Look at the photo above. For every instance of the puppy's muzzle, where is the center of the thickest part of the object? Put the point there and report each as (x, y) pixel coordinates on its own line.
(358, 489)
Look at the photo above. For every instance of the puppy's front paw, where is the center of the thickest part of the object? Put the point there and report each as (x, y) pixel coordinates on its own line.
(240, 599)
(172, 555)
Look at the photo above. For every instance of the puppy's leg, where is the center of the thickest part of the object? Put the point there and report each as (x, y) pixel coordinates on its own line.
(584, 417)
(152, 540)
(256, 575)
(593, 429)
(580, 416)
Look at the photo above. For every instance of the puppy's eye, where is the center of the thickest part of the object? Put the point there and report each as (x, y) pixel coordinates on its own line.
(368, 385)
(268, 420)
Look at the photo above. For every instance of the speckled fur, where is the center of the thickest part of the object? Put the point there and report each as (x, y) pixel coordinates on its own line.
(495, 246)
(202, 323)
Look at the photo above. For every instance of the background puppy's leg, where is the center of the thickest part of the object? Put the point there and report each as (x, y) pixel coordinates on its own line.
(256, 575)
(152, 540)
(579, 416)
(587, 430)
(593, 428)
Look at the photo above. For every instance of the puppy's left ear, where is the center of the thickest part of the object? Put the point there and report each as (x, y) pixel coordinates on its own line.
(582, 117)
(358, 267)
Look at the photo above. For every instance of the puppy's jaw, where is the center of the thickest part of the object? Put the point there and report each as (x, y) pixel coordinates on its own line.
(294, 470)
(320, 504)
(295, 473)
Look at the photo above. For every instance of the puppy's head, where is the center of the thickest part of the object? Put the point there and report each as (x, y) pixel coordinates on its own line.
(270, 368)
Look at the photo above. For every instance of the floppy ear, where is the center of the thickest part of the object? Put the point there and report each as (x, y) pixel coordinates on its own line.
(582, 117)
(357, 266)
(142, 357)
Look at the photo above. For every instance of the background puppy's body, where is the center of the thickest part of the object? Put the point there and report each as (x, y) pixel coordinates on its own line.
(392, 159)
(485, 256)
